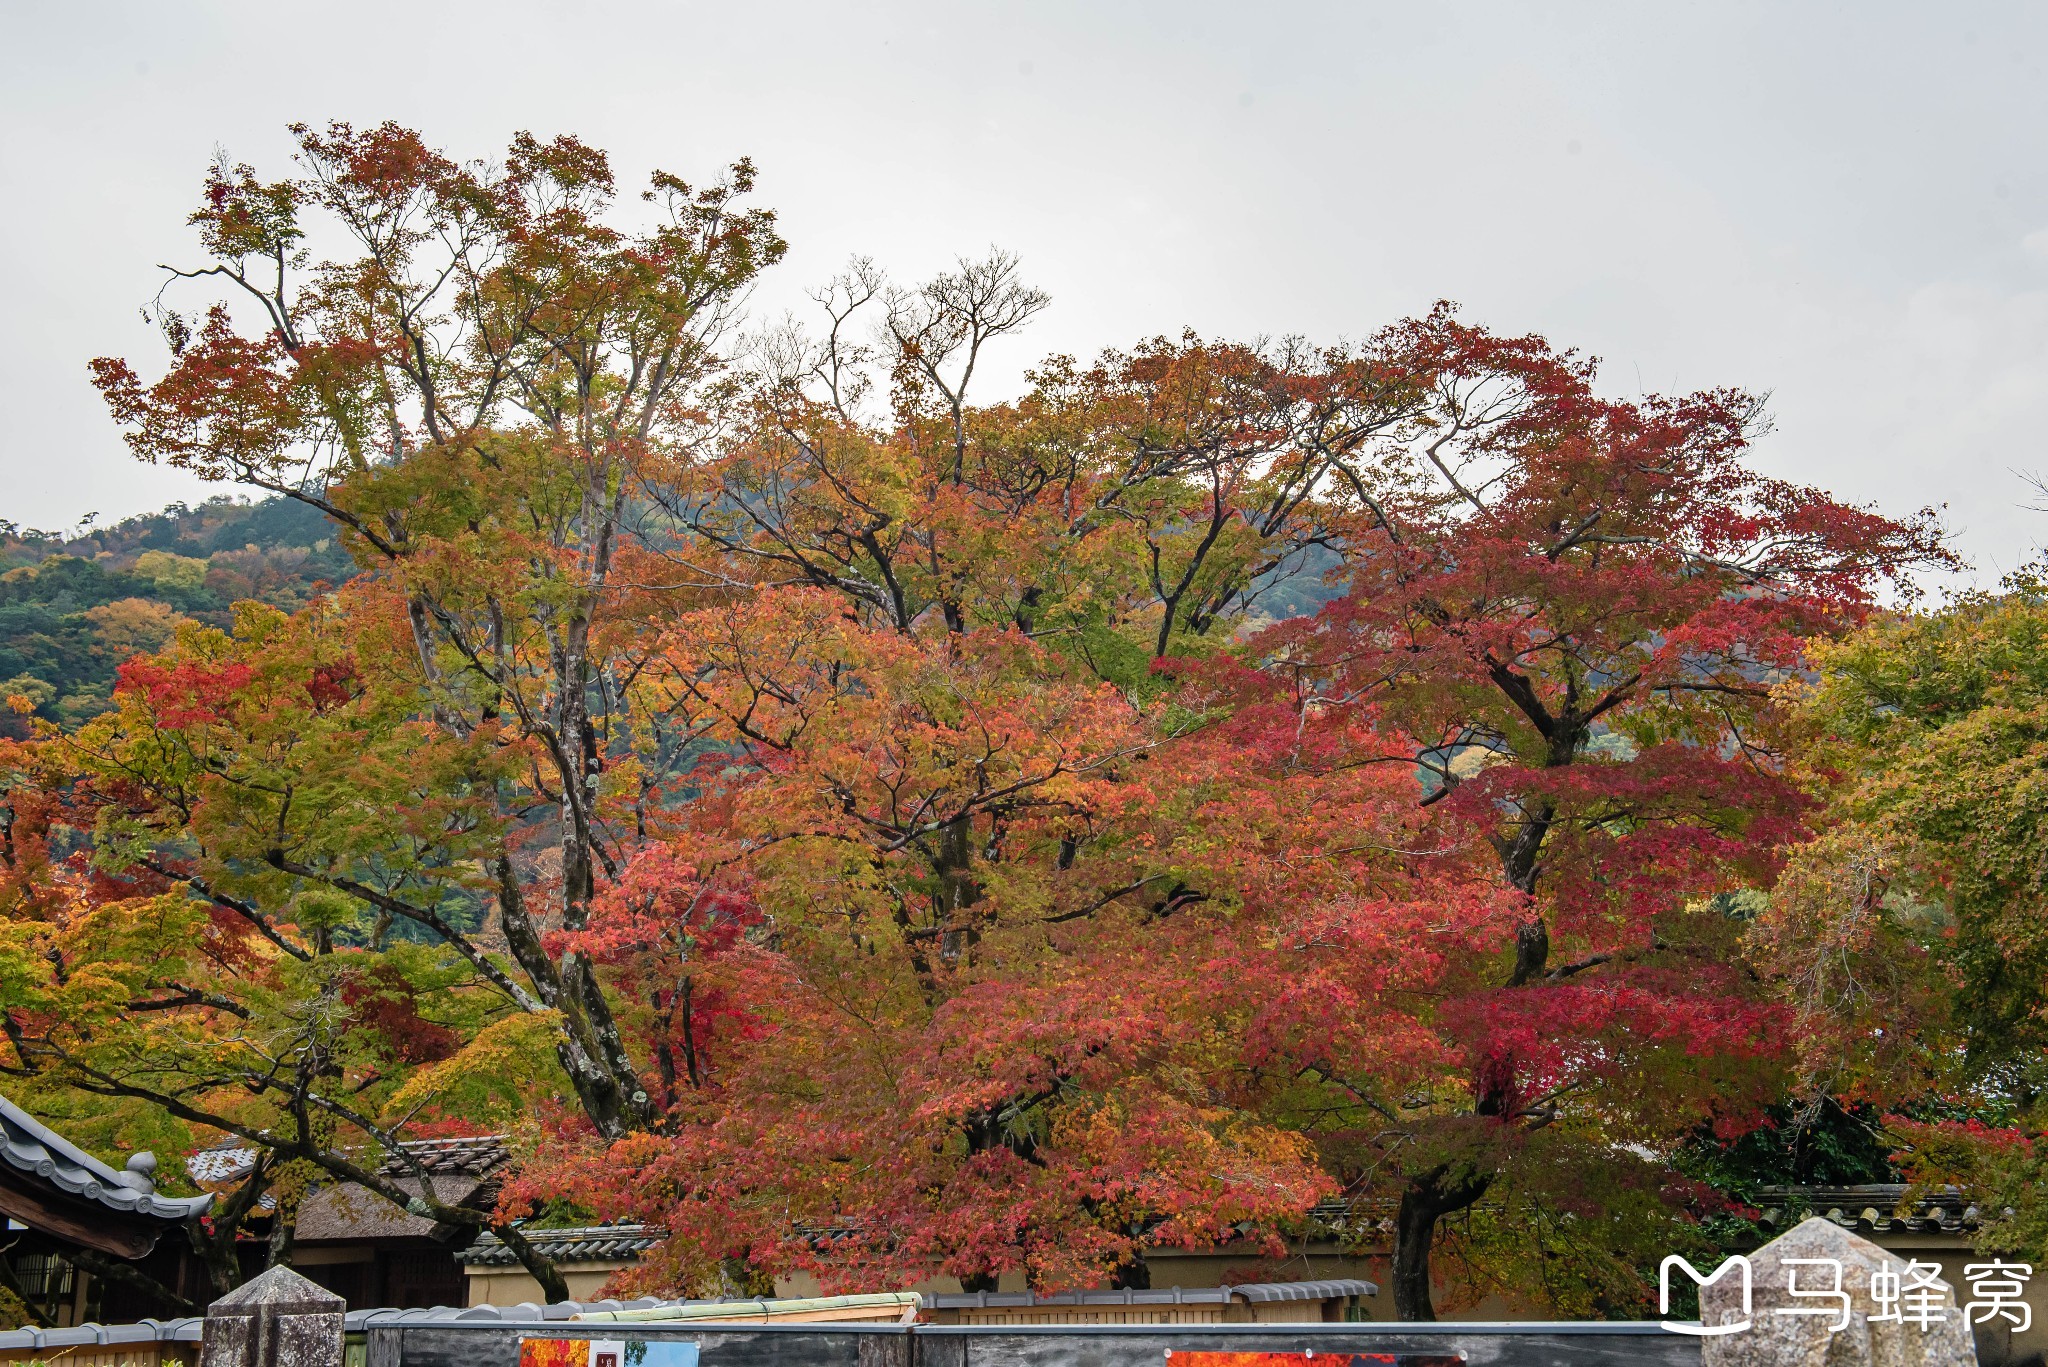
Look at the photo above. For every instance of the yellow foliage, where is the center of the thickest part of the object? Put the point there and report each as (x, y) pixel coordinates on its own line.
(493, 1077)
(166, 570)
(129, 626)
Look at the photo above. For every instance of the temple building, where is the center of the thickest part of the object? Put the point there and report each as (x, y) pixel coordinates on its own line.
(78, 1232)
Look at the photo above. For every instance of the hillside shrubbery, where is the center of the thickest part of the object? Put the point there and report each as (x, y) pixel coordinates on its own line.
(71, 609)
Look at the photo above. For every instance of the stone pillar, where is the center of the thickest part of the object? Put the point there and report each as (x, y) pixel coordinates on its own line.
(278, 1319)
(1906, 1318)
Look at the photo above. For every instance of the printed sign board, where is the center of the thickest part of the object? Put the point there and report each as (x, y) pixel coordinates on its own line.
(606, 1353)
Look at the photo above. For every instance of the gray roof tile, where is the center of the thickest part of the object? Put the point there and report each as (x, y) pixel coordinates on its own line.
(589, 1244)
(477, 1156)
(1172, 1295)
(1872, 1207)
(28, 1145)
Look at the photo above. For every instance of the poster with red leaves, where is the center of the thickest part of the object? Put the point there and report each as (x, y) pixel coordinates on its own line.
(554, 1353)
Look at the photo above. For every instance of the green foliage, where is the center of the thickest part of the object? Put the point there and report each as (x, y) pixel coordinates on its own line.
(1829, 1144)
(167, 570)
(1583, 1244)
(1941, 721)
(1913, 935)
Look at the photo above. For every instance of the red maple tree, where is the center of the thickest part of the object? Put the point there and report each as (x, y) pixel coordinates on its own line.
(1568, 614)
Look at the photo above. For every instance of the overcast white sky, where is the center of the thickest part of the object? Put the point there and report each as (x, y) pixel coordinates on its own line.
(1846, 205)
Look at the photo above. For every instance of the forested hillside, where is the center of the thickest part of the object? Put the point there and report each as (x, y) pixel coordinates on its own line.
(71, 609)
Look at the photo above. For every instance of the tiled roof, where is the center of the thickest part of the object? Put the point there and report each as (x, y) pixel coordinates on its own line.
(345, 1212)
(462, 1170)
(474, 1156)
(1371, 1215)
(860, 1306)
(31, 1339)
(589, 1244)
(1258, 1293)
(477, 1156)
(223, 1162)
(1872, 1207)
(187, 1329)
(29, 1146)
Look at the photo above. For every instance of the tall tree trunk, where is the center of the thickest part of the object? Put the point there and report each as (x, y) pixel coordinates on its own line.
(958, 890)
(570, 990)
(1521, 863)
(538, 1266)
(1427, 1198)
(741, 1276)
(1133, 1275)
(284, 1229)
(212, 1235)
(217, 1256)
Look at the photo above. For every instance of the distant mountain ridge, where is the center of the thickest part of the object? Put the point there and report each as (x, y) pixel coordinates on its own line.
(73, 607)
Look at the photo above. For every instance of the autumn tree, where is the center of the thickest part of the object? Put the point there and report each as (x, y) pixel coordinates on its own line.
(995, 971)
(1908, 935)
(475, 395)
(1575, 610)
(1135, 507)
(883, 829)
(174, 964)
(1566, 614)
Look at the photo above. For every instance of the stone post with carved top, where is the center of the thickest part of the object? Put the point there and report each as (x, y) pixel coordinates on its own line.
(278, 1319)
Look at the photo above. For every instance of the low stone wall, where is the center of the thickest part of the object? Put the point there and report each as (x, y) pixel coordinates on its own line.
(454, 1344)
(152, 1343)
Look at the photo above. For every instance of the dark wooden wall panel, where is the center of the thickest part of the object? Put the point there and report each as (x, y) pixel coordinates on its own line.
(1093, 1348)
(497, 1345)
